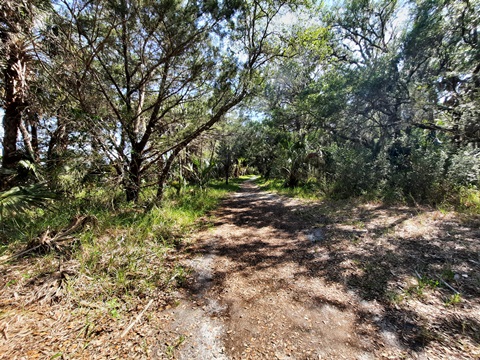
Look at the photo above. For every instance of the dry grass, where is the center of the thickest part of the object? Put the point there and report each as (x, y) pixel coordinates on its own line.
(74, 299)
(78, 307)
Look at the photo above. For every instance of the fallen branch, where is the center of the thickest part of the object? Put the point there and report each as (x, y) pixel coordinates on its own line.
(4, 331)
(139, 316)
(76, 224)
(448, 285)
(418, 275)
(11, 257)
(45, 241)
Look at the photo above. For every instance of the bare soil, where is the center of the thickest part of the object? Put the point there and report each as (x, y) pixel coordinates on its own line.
(288, 279)
(277, 278)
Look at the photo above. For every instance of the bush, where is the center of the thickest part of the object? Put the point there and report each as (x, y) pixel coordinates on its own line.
(426, 174)
(414, 167)
(464, 168)
(354, 171)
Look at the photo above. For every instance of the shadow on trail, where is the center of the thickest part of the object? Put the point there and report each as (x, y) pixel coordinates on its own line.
(369, 269)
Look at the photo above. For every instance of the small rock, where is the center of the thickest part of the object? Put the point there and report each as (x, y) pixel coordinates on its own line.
(316, 235)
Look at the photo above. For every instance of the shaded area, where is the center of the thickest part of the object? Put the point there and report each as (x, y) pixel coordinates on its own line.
(381, 254)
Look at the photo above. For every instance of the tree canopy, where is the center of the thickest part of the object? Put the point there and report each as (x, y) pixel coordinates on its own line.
(361, 96)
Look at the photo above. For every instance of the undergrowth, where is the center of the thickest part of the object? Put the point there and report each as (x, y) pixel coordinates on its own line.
(128, 252)
(308, 191)
(463, 199)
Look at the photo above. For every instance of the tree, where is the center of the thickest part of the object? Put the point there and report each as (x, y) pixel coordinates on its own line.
(16, 23)
(152, 76)
(366, 44)
(442, 54)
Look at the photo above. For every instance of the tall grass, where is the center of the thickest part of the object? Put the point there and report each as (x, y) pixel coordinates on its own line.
(469, 199)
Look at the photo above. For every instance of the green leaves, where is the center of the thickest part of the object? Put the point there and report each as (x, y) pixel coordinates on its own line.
(315, 39)
(20, 199)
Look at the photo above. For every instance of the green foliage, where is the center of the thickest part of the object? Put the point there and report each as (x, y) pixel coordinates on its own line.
(464, 167)
(24, 173)
(311, 190)
(411, 168)
(69, 176)
(352, 171)
(454, 300)
(19, 200)
(469, 199)
(315, 40)
(200, 170)
(423, 283)
(113, 307)
(417, 167)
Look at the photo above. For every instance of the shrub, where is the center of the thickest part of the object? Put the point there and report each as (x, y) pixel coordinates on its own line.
(464, 167)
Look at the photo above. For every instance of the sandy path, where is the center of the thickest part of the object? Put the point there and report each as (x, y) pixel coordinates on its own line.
(254, 295)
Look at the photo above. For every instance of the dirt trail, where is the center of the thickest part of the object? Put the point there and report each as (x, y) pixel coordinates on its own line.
(274, 278)
(255, 296)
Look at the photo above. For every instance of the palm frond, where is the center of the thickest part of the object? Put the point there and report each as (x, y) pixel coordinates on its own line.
(20, 199)
(31, 168)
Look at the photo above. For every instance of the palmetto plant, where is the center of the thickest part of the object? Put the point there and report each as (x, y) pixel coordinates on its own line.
(20, 199)
(200, 171)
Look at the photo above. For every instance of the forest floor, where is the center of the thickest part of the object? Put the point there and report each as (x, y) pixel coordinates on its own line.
(272, 277)
(281, 278)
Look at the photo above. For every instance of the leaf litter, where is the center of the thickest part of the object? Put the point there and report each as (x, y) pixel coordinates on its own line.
(274, 278)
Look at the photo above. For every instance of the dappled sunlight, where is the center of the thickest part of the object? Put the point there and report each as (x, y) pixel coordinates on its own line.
(395, 268)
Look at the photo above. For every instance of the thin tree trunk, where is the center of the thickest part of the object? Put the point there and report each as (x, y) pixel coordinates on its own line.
(11, 123)
(34, 132)
(163, 176)
(14, 104)
(27, 141)
(133, 181)
(227, 168)
(58, 144)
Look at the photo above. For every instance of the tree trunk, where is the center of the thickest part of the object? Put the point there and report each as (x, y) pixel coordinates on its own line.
(132, 184)
(237, 171)
(11, 123)
(267, 172)
(161, 186)
(293, 176)
(227, 169)
(164, 172)
(35, 145)
(27, 141)
(14, 75)
(58, 144)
